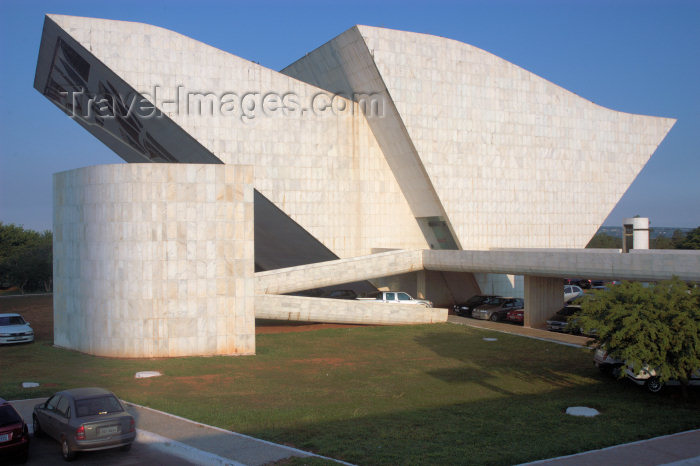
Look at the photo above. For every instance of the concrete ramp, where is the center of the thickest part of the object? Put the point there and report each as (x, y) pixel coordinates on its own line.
(336, 272)
(341, 311)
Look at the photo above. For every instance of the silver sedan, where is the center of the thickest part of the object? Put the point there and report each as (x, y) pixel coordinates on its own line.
(84, 419)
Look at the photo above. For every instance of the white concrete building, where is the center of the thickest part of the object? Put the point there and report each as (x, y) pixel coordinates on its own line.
(377, 140)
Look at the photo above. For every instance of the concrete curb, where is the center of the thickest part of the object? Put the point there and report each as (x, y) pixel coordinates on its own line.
(190, 450)
(513, 332)
(181, 450)
(685, 461)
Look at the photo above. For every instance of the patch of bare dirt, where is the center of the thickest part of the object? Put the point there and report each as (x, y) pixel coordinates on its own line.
(37, 310)
(281, 326)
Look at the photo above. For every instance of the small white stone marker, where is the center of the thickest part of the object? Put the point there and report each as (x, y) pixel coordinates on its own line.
(490, 339)
(582, 411)
(29, 384)
(146, 374)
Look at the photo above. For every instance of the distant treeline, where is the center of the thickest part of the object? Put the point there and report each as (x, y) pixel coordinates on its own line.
(678, 240)
(26, 256)
(26, 259)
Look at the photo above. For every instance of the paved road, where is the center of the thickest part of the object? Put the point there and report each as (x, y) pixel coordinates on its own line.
(164, 439)
(46, 451)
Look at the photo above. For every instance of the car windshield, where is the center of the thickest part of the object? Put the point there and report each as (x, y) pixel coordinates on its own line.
(8, 416)
(99, 405)
(12, 320)
(495, 301)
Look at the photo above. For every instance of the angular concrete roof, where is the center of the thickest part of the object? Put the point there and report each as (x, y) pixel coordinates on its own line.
(513, 159)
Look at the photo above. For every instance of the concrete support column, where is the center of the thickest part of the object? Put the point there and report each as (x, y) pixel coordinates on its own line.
(420, 284)
(543, 297)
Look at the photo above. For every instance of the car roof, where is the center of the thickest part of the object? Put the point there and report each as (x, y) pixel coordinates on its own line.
(88, 392)
(10, 315)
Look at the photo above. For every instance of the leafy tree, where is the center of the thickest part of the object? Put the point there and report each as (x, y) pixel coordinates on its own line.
(605, 241)
(654, 327)
(661, 242)
(691, 240)
(677, 238)
(25, 257)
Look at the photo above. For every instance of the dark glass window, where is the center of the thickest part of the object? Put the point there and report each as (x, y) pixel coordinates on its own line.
(8, 416)
(63, 406)
(99, 405)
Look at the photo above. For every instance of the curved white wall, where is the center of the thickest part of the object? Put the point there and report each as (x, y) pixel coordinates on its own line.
(154, 260)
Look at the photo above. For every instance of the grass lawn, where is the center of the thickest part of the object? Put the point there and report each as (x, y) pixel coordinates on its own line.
(429, 394)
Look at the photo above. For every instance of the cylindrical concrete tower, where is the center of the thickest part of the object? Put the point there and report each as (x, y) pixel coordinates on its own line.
(635, 233)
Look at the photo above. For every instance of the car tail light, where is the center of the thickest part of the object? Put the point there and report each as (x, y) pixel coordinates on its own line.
(132, 425)
(80, 433)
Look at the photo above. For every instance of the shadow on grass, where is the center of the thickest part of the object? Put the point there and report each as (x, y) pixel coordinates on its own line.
(480, 360)
(503, 430)
(522, 389)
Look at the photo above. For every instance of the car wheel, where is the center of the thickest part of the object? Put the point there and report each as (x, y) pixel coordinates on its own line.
(66, 450)
(36, 427)
(654, 385)
(494, 317)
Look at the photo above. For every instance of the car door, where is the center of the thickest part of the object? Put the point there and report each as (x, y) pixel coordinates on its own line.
(390, 298)
(62, 417)
(47, 416)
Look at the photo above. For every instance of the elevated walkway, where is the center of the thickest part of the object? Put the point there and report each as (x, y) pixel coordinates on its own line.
(543, 270)
(336, 272)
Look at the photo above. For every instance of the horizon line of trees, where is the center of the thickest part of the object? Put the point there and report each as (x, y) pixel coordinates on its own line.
(26, 258)
(678, 240)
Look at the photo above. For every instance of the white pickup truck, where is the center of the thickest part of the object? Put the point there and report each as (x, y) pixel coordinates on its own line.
(398, 297)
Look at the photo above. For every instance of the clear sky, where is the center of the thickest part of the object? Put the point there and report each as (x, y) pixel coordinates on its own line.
(632, 56)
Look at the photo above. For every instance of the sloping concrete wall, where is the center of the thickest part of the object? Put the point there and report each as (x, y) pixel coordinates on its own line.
(305, 277)
(497, 142)
(319, 164)
(300, 308)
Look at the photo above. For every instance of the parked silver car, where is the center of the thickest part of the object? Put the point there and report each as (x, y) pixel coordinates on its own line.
(572, 292)
(14, 329)
(84, 419)
(646, 376)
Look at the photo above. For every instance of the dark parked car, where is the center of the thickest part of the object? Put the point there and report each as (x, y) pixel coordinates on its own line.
(559, 321)
(466, 308)
(497, 308)
(14, 435)
(85, 419)
(341, 294)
